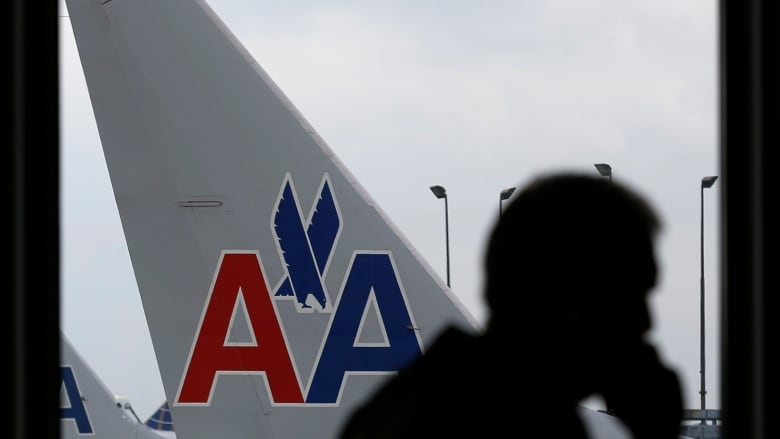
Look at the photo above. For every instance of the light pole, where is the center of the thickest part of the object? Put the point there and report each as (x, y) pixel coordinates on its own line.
(604, 169)
(440, 193)
(505, 194)
(706, 182)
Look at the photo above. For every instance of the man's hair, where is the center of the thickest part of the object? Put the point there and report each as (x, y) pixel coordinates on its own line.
(567, 234)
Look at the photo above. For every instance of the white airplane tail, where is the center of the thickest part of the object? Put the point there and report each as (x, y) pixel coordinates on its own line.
(278, 295)
(88, 408)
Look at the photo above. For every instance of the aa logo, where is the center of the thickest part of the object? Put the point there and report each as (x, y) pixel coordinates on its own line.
(305, 245)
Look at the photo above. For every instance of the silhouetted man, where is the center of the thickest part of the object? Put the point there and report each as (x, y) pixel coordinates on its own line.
(568, 270)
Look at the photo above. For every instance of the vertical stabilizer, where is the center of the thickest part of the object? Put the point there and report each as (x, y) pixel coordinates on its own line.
(161, 419)
(278, 295)
(88, 409)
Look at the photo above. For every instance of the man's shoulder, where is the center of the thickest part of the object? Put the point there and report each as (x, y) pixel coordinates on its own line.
(450, 352)
(405, 401)
(451, 339)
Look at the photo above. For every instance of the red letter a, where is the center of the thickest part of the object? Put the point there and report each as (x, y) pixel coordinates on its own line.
(210, 355)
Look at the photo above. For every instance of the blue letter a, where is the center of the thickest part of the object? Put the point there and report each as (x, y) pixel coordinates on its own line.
(76, 411)
(341, 354)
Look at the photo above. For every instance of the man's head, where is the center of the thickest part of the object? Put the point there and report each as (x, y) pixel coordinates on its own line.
(569, 267)
(574, 247)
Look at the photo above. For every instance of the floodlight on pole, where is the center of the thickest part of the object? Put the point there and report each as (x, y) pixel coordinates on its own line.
(706, 182)
(440, 193)
(505, 194)
(604, 169)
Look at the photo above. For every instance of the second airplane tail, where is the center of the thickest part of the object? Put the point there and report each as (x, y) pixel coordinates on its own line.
(87, 406)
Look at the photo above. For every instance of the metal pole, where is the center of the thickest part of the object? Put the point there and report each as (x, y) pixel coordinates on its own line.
(447, 236)
(439, 192)
(504, 195)
(702, 392)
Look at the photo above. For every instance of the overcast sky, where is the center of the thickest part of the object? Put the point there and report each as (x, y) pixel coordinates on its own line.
(476, 97)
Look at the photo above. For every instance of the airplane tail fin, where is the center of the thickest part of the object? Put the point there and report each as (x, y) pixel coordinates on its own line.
(87, 406)
(161, 419)
(293, 296)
